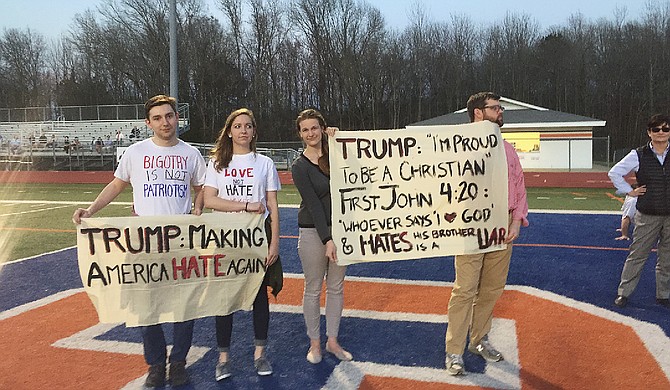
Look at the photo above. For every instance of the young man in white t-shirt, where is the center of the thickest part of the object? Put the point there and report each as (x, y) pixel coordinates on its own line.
(162, 171)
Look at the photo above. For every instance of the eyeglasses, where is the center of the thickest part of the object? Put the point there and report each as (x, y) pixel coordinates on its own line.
(657, 129)
(497, 107)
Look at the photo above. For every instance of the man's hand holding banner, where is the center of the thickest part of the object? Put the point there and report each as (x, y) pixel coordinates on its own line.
(149, 270)
(418, 192)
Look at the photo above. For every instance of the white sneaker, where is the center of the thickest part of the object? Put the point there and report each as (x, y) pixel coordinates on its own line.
(455, 364)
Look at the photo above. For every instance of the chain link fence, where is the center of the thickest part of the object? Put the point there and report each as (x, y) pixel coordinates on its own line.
(99, 157)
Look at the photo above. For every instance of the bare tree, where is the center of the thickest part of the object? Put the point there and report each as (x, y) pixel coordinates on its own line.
(232, 9)
(313, 19)
(508, 53)
(213, 79)
(280, 56)
(22, 60)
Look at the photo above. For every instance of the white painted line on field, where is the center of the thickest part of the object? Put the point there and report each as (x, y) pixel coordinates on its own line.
(15, 311)
(501, 375)
(89, 340)
(34, 211)
(349, 375)
(652, 335)
(36, 256)
(578, 212)
(370, 315)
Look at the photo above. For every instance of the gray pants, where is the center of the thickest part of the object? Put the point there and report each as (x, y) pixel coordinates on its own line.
(649, 229)
(316, 266)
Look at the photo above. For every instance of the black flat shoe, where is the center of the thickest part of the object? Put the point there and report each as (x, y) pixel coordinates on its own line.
(663, 302)
(621, 301)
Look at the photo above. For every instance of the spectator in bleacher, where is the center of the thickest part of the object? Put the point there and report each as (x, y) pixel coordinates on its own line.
(76, 145)
(43, 140)
(15, 145)
(98, 145)
(162, 118)
(119, 138)
(52, 143)
(66, 144)
(109, 143)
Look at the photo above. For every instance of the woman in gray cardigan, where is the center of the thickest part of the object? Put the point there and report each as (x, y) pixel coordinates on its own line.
(316, 249)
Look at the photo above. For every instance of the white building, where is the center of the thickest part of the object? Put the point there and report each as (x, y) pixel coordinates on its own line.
(544, 138)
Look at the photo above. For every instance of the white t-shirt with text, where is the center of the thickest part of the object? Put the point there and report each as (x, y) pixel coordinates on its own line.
(246, 179)
(162, 177)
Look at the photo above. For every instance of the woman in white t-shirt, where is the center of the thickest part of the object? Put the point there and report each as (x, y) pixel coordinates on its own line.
(240, 180)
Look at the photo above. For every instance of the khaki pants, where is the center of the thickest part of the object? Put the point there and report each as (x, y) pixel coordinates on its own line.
(316, 267)
(480, 280)
(649, 230)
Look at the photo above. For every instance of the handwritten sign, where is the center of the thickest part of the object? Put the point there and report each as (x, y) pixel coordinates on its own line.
(150, 270)
(418, 192)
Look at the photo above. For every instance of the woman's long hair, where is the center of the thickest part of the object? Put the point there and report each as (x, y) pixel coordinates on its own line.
(222, 153)
(311, 113)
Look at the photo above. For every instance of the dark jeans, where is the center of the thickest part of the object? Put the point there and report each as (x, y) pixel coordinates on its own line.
(261, 314)
(154, 342)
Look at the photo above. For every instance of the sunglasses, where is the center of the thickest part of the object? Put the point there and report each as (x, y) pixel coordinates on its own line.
(657, 129)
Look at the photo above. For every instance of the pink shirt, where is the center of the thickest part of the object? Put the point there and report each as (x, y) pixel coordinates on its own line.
(516, 187)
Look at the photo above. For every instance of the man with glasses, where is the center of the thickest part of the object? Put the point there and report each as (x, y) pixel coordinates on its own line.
(652, 219)
(481, 278)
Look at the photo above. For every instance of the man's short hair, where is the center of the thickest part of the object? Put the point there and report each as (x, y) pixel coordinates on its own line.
(478, 100)
(159, 100)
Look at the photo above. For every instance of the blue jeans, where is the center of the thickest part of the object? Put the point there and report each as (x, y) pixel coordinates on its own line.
(155, 351)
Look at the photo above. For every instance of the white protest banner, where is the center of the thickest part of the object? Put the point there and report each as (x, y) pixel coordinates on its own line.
(418, 192)
(150, 270)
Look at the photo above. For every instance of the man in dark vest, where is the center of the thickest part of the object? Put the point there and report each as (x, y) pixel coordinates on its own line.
(652, 218)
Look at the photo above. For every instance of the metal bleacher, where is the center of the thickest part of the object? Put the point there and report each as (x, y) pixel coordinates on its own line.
(28, 143)
(63, 145)
(30, 135)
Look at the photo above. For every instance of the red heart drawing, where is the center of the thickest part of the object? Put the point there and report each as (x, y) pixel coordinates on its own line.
(450, 217)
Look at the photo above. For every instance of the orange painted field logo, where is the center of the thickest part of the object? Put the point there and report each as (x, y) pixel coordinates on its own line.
(549, 342)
